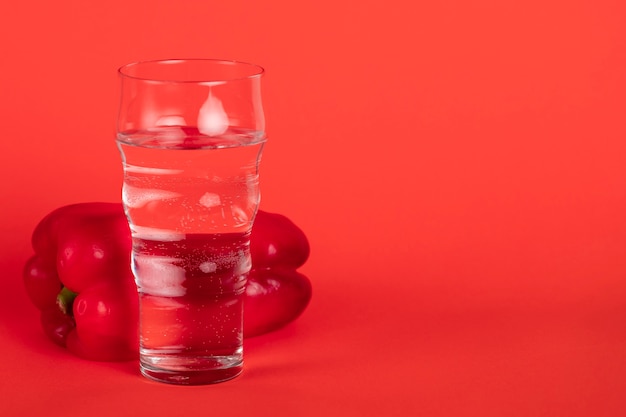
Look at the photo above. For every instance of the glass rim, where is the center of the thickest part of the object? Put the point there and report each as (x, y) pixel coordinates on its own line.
(255, 70)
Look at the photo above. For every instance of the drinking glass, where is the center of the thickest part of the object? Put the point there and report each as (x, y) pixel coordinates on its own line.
(190, 134)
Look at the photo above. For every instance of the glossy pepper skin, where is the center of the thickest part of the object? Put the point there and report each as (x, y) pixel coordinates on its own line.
(80, 279)
(276, 293)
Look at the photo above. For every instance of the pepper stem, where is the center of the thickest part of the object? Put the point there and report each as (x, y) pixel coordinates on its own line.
(65, 300)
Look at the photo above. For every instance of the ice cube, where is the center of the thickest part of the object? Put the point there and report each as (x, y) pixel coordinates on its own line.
(212, 119)
(136, 197)
(158, 275)
(159, 235)
(210, 200)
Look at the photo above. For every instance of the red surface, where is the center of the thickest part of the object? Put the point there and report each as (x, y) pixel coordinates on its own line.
(458, 167)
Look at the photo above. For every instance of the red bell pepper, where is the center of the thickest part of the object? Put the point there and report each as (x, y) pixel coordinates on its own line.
(80, 279)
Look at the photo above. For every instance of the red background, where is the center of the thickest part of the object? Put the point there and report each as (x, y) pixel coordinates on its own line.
(457, 165)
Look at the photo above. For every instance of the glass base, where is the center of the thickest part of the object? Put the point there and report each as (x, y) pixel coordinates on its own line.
(185, 370)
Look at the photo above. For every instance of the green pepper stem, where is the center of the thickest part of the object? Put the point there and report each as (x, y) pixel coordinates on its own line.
(65, 301)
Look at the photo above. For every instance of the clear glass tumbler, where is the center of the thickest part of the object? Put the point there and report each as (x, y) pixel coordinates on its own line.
(191, 134)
